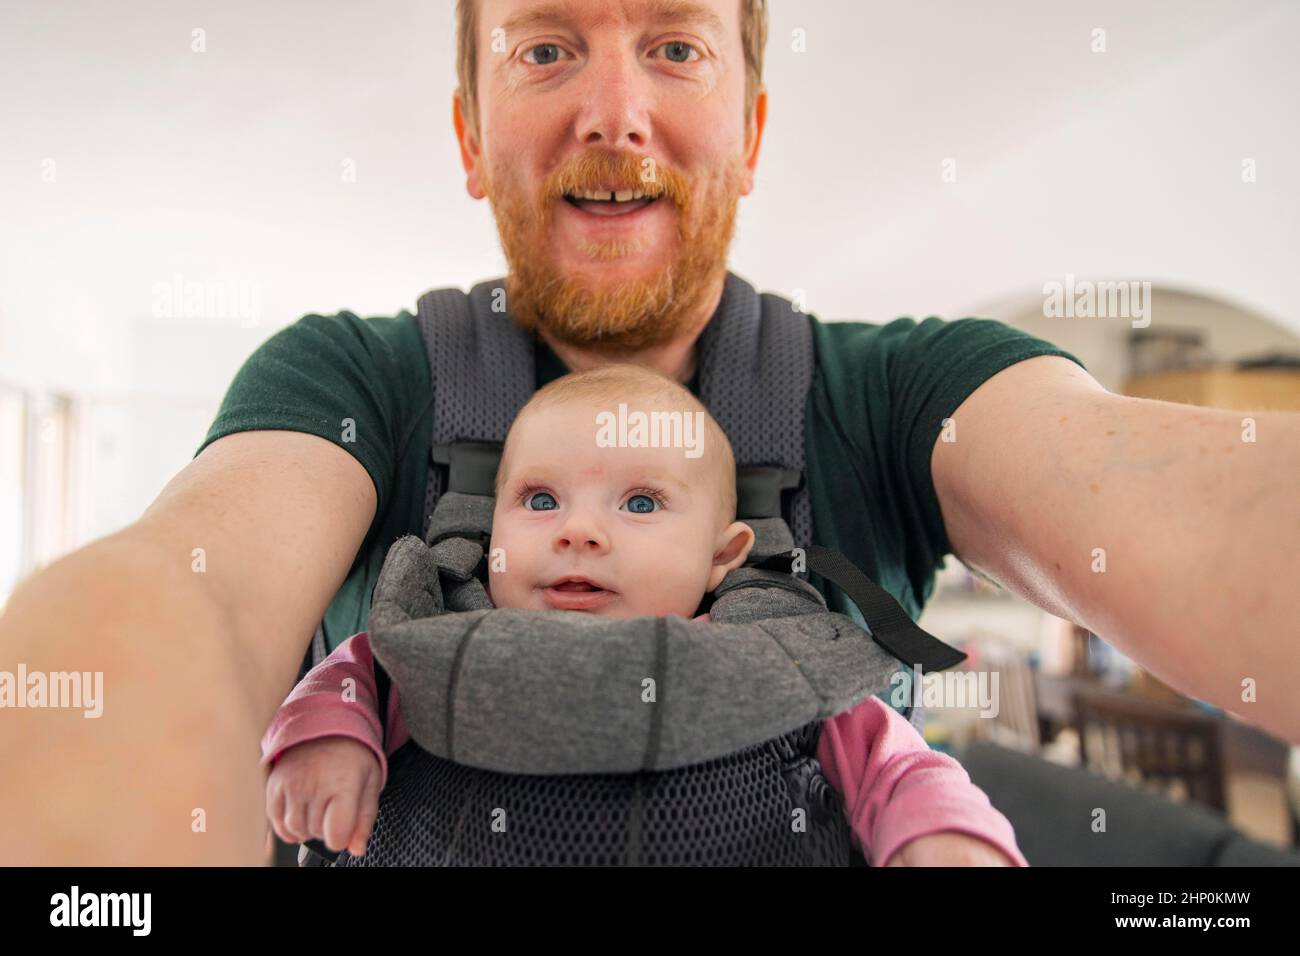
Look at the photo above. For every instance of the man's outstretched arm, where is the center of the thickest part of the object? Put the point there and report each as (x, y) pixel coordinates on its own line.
(194, 661)
(1171, 531)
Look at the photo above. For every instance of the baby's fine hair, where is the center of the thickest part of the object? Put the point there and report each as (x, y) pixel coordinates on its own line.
(637, 386)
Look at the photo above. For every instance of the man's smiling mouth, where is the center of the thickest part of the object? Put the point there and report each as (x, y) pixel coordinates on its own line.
(598, 203)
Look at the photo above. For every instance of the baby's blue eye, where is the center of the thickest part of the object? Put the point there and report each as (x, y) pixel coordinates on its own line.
(541, 494)
(641, 510)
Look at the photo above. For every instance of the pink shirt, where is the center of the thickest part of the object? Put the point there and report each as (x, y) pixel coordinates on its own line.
(894, 788)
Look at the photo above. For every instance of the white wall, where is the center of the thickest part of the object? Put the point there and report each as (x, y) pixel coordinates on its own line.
(1119, 165)
(223, 167)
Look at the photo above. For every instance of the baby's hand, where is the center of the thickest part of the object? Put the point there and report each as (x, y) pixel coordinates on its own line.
(948, 849)
(326, 788)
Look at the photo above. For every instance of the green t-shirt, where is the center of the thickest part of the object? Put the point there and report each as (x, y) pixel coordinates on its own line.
(875, 409)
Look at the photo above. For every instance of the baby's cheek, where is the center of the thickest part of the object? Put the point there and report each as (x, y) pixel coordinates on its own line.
(501, 590)
(681, 590)
(510, 586)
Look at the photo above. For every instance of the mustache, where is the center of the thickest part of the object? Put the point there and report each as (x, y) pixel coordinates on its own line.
(618, 172)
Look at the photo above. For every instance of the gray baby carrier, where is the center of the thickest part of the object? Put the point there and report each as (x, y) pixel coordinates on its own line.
(558, 737)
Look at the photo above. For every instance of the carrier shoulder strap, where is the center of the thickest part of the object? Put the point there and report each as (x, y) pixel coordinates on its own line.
(756, 363)
(482, 373)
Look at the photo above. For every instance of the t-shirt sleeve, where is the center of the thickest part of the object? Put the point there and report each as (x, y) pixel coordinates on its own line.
(359, 383)
(883, 392)
(933, 367)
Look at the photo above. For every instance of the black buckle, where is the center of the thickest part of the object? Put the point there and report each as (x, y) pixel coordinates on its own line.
(471, 465)
(317, 854)
(759, 489)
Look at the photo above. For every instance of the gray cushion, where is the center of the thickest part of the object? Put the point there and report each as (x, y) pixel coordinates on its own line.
(562, 692)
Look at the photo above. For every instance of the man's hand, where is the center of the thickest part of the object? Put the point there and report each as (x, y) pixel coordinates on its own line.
(1170, 531)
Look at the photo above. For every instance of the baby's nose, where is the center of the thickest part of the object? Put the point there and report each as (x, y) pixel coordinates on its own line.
(581, 533)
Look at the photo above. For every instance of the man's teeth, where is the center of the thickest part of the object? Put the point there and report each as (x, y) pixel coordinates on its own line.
(623, 195)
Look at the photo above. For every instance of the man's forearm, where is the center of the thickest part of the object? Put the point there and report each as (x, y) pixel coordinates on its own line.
(1169, 530)
(172, 760)
(1220, 513)
(1184, 541)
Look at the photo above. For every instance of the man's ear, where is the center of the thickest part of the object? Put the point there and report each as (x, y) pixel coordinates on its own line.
(471, 152)
(753, 139)
(735, 543)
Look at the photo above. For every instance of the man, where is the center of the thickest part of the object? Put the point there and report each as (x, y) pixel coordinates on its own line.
(1152, 524)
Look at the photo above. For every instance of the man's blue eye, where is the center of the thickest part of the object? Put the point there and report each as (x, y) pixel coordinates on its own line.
(542, 59)
(541, 494)
(677, 46)
(639, 510)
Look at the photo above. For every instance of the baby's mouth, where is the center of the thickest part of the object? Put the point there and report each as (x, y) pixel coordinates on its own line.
(575, 595)
(576, 582)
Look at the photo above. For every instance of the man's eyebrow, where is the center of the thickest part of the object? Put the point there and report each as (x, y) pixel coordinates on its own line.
(562, 12)
(687, 11)
(539, 15)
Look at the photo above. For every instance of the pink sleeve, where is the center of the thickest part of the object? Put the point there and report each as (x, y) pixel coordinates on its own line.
(317, 707)
(895, 788)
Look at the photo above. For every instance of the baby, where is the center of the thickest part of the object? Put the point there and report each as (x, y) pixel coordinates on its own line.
(591, 524)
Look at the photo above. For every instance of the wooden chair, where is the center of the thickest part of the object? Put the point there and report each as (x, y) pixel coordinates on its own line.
(1163, 747)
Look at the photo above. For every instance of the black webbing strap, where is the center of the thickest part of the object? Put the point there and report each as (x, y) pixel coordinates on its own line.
(889, 624)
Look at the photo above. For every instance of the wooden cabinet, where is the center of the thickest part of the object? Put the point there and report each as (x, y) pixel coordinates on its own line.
(1272, 389)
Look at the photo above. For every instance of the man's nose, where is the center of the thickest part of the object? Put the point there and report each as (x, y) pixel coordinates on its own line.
(616, 100)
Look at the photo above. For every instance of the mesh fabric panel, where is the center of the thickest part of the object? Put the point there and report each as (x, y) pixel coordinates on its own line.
(733, 811)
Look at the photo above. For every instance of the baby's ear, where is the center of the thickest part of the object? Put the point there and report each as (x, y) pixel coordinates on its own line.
(734, 544)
